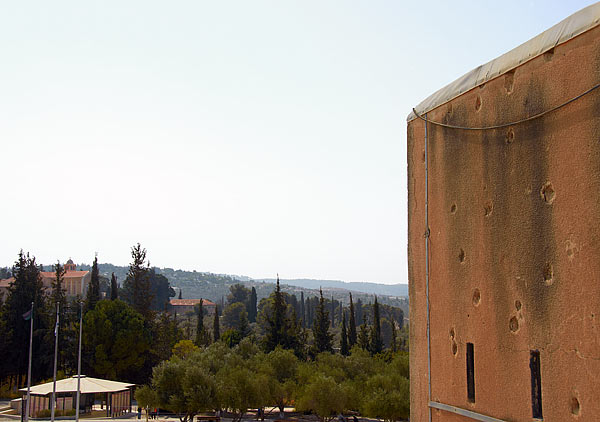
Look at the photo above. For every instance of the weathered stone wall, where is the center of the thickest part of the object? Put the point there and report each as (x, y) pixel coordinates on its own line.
(514, 216)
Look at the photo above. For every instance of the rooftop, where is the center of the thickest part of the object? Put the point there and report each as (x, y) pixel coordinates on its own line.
(576, 24)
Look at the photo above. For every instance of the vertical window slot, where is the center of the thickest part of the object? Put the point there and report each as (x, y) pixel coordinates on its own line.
(536, 384)
(470, 373)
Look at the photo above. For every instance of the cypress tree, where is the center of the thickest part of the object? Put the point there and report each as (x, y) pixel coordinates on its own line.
(58, 293)
(359, 311)
(352, 325)
(302, 310)
(114, 287)
(376, 341)
(332, 312)
(93, 292)
(344, 338)
(322, 337)
(276, 320)
(200, 337)
(216, 328)
(179, 297)
(394, 345)
(252, 306)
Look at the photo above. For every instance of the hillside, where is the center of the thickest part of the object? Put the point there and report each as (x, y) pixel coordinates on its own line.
(215, 287)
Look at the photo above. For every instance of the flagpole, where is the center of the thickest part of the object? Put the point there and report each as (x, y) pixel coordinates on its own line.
(79, 356)
(29, 368)
(55, 362)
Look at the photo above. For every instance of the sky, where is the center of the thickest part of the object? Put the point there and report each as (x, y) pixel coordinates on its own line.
(237, 137)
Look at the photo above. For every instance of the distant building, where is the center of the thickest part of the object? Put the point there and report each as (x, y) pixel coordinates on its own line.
(185, 306)
(4, 285)
(72, 281)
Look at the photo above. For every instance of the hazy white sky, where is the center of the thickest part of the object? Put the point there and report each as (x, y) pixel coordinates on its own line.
(241, 137)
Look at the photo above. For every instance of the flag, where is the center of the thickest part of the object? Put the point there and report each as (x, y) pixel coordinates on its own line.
(27, 315)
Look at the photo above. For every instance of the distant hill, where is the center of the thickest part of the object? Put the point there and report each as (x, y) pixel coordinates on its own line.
(215, 287)
(399, 290)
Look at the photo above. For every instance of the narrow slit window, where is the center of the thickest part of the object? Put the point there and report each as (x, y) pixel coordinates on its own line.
(536, 384)
(470, 373)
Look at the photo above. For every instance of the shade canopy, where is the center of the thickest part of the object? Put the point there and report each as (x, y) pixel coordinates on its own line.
(88, 386)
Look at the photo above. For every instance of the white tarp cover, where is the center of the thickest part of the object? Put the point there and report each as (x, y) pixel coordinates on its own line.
(574, 25)
(88, 385)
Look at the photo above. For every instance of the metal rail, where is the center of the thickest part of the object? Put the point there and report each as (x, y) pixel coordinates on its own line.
(463, 412)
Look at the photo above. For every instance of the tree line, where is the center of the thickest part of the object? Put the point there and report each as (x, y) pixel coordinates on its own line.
(128, 335)
(218, 378)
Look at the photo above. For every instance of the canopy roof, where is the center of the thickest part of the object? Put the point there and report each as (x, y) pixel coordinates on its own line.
(88, 385)
(574, 25)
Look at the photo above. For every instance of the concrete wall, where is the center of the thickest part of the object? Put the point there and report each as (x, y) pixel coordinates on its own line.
(514, 216)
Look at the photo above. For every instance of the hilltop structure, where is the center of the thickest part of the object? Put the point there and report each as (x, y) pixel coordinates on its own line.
(504, 235)
(73, 281)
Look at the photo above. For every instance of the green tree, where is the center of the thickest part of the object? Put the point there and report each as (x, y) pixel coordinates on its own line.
(57, 296)
(252, 310)
(118, 340)
(302, 310)
(184, 348)
(146, 398)
(136, 287)
(93, 291)
(376, 343)
(344, 350)
(280, 323)
(160, 289)
(238, 390)
(323, 395)
(363, 336)
(231, 337)
(114, 287)
(387, 393)
(184, 388)
(216, 327)
(352, 325)
(280, 369)
(322, 337)
(166, 335)
(386, 333)
(26, 289)
(394, 342)
(201, 335)
(238, 293)
(232, 315)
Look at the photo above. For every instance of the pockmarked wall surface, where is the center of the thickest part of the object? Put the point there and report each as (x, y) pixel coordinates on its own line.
(514, 245)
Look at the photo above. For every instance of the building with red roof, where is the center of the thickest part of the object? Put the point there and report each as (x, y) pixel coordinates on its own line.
(186, 306)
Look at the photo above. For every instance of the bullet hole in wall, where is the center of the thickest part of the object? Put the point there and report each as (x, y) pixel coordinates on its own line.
(548, 273)
(510, 136)
(547, 193)
(476, 297)
(489, 208)
(513, 324)
(575, 407)
(518, 305)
